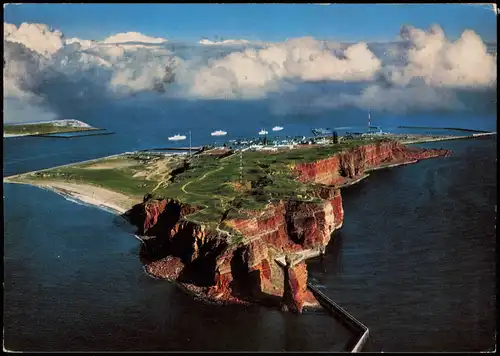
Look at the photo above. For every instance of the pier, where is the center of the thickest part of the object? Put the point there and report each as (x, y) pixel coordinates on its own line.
(359, 330)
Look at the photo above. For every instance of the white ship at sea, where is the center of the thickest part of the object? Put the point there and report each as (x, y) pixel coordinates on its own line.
(177, 138)
(219, 133)
(263, 132)
(277, 128)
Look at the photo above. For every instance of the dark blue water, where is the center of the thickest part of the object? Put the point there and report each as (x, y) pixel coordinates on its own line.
(415, 260)
(73, 281)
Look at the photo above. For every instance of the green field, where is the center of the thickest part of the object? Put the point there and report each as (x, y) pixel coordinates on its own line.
(118, 178)
(212, 184)
(42, 128)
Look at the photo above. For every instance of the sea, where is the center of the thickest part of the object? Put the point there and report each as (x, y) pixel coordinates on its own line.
(414, 261)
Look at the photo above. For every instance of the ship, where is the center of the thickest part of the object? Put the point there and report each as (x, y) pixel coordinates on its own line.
(219, 133)
(263, 132)
(177, 138)
(277, 128)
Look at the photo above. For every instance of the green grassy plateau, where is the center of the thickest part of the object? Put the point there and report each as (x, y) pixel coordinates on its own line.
(211, 183)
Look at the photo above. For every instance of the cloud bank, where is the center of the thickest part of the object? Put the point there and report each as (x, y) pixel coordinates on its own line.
(441, 63)
(133, 37)
(255, 72)
(37, 37)
(422, 71)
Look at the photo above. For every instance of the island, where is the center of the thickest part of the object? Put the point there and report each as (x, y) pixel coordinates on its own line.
(45, 128)
(232, 225)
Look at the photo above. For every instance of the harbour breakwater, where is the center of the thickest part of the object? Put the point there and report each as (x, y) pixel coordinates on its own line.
(76, 134)
(442, 128)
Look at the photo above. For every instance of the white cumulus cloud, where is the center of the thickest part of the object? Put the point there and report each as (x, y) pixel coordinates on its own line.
(253, 72)
(23, 69)
(443, 63)
(37, 37)
(133, 37)
(85, 44)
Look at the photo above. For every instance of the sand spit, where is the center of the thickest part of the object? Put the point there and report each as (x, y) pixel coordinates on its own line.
(105, 199)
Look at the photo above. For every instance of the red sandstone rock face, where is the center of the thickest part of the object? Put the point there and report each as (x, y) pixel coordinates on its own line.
(295, 225)
(270, 226)
(310, 224)
(153, 210)
(295, 293)
(222, 286)
(338, 210)
(351, 164)
(248, 270)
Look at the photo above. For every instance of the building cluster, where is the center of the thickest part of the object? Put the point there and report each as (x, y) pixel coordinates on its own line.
(265, 143)
(275, 143)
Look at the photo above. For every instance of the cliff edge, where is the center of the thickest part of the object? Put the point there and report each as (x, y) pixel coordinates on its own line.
(233, 261)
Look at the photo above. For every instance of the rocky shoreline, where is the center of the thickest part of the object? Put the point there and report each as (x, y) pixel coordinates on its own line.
(207, 265)
(252, 263)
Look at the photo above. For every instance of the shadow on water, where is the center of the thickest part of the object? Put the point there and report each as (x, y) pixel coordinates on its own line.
(74, 282)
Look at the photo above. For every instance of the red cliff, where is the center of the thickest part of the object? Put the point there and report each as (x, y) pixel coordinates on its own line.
(296, 295)
(211, 266)
(349, 165)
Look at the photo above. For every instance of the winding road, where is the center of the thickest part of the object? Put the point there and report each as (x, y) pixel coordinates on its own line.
(183, 188)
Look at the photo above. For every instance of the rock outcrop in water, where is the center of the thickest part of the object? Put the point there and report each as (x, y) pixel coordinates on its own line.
(210, 264)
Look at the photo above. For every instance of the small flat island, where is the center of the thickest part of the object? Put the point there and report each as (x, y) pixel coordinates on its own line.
(46, 127)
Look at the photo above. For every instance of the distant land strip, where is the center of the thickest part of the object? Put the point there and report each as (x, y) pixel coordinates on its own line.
(441, 128)
(74, 134)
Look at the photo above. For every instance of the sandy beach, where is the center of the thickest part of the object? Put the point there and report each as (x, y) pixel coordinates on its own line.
(105, 199)
(14, 135)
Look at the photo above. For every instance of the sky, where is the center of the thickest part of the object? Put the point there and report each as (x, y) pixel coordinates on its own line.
(299, 59)
(266, 22)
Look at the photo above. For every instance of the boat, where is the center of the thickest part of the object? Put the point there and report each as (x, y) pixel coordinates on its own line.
(277, 128)
(263, 132)
(177, 138)
(219, 133)
(320, 131)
